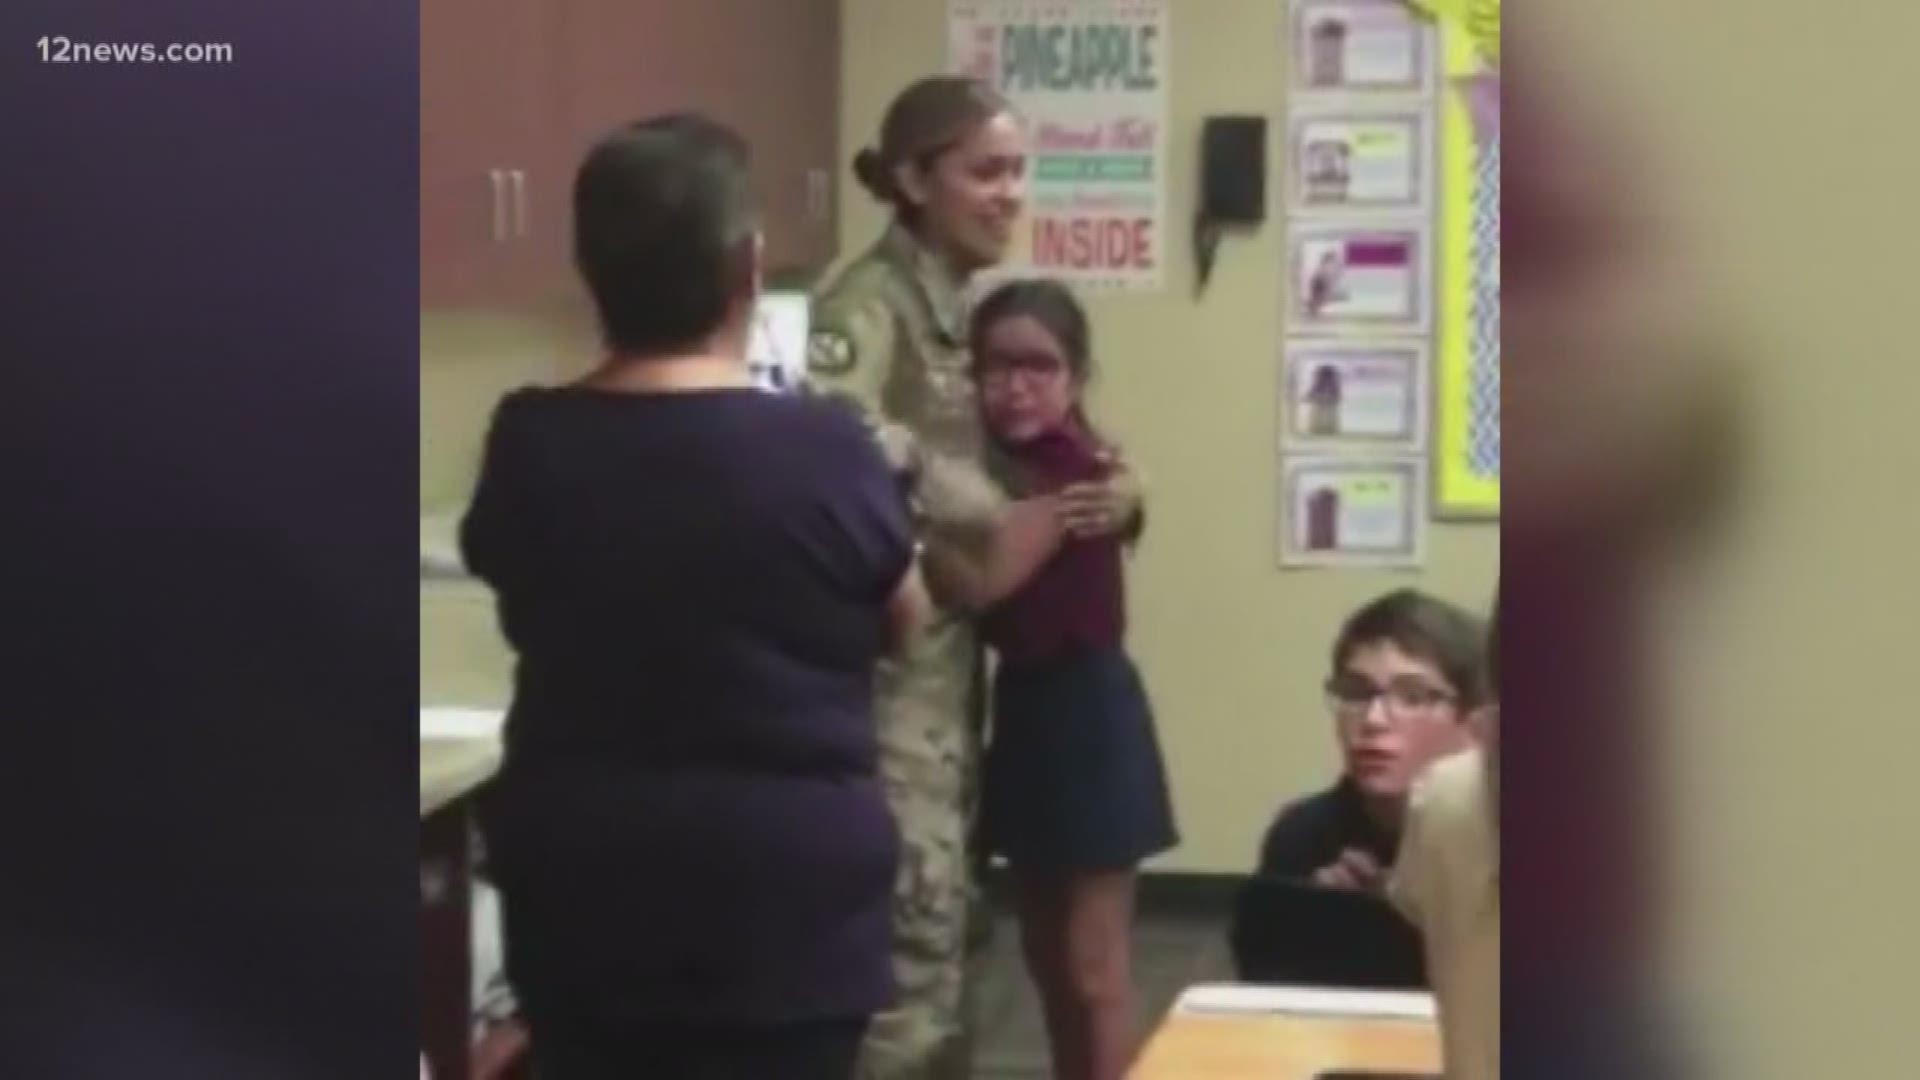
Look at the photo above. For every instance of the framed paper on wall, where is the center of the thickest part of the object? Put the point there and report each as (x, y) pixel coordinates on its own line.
(1359, 45)
(1350, 160)
(1358, 278)
(1338, 511)
(1337, 396)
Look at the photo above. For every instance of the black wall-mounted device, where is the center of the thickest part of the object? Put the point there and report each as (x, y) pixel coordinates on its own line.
(1233, 184)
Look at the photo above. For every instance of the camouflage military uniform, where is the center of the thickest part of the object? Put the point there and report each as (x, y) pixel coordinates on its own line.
(889, 336)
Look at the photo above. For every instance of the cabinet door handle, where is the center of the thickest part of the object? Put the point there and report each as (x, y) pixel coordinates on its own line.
(519, 177)
(498, 177)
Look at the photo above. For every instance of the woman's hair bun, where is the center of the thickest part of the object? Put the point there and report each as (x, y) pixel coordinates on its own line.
(872, 173)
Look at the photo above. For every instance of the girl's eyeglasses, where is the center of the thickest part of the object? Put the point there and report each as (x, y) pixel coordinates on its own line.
(1000, 369)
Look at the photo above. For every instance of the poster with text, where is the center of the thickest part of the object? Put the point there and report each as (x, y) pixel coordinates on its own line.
(1360, 45)
(1359, 278)
(1352, 511)
(1360, 160)
(1089, 79)
(1358, 395)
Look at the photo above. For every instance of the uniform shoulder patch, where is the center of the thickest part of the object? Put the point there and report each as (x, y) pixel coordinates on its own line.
(830, 352)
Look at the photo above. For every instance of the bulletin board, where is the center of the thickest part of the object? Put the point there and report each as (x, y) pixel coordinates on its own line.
(1466, 448)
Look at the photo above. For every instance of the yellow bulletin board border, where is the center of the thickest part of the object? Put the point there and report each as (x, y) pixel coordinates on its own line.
(1464, 488)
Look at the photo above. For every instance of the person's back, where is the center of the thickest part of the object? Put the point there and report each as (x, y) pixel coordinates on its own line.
(657, 561)
(696, 630)
(693, 852)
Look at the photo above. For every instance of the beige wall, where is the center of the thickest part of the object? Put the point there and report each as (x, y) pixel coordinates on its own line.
(1233, 649)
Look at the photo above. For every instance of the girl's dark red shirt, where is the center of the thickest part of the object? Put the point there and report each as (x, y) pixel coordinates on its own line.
(1077, 600)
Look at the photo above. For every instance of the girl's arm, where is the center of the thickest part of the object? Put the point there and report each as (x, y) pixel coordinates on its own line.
(976, 576)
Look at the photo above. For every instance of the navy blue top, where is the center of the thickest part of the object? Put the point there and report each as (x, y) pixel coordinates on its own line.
(1360, 941)
(1310, 833)
(687, 824)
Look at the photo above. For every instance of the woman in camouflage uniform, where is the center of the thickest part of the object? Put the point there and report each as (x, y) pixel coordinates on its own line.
(889, 336)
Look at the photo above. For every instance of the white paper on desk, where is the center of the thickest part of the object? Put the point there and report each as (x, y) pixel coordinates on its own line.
(454, 722)
(1238, 999)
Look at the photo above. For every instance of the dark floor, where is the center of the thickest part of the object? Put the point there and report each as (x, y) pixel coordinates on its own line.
(1172, 950)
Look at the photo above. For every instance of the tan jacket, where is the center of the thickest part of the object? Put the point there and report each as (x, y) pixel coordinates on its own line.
(889, 339)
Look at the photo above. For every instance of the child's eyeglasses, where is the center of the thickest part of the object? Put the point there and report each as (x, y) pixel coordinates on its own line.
(1352, 698)
(1000, 369)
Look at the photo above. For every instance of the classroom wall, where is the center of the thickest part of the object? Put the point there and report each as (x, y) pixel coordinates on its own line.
(1233, 649)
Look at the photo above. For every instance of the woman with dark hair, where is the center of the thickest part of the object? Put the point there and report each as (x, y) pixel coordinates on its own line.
(692, 848)
(889, 337)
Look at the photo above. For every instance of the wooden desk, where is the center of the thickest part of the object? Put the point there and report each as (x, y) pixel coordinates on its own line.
(1276, 1046)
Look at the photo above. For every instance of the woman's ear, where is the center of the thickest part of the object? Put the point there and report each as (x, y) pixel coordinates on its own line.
(913, 183)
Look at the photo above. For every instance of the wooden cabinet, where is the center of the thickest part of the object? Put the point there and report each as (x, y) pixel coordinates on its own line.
(792, 116)
(768, 68)
(485, 104)
(513, 92)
